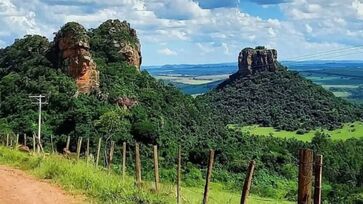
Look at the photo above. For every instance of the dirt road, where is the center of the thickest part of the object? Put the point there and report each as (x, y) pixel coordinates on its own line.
(17, 188)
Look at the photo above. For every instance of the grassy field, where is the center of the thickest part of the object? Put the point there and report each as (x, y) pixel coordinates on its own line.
(349, 130)
(102, 186)
(192, 80)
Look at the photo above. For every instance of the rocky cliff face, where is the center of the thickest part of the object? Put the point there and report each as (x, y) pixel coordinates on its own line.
(73, 51)
(74, 46)
(255, 60)
(119, 42)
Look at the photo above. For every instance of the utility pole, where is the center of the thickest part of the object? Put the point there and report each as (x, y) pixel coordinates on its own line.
(40, 103)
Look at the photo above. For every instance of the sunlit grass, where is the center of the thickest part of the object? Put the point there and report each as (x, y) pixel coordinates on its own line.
(349, 130)
(102, 186)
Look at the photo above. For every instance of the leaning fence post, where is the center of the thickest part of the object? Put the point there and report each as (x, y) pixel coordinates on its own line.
(248, 182)
(79, 145)
(178, 175)
(123, 160)
(98, 150)
(318, 179)
(209, 175)
(110, 156)
(305, 176)
(137, 165)
(156, 168)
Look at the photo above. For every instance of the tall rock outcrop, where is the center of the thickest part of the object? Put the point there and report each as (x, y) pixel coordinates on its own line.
(255, 60)
(117, 41)
(72, 48)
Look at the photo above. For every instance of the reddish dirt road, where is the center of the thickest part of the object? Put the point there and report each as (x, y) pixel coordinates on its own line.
(17, 188)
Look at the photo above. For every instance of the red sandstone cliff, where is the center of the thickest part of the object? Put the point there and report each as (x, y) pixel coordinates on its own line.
(73, 49)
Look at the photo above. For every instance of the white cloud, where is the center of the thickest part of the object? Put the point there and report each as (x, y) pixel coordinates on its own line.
(16, 20)
(216, 32)
(167, 52)
(358, 7)
(176, 9)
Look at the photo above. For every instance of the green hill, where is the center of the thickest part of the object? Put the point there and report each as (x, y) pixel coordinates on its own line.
(282, 99)
(127, 105)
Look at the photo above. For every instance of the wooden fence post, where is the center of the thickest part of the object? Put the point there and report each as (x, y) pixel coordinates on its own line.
(24, 142)
(17, 140)
(68, 141)
(178, 172)
(110, 156)
(7, 140)
(156, 168)
(318, 179)
(98, 150)
(305, 176)
(34, 143)
(209, 175)
(79, 145)
(11, 141)
(87, 151)
(123, 160)
(248, 182)
(52, 143)
(137, 165)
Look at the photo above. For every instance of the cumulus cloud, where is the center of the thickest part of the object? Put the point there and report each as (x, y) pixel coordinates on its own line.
(329, 21)
(167, 52)
(16, 20)
(214, 29)
(176, 9)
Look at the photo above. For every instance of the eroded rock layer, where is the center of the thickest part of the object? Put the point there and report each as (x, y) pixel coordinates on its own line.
(255, 60)
(73, 50)
(119, 42)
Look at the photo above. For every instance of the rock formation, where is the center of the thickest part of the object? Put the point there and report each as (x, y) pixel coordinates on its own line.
(255, 60)
(74, 57)
(120, 42)
(126, 102)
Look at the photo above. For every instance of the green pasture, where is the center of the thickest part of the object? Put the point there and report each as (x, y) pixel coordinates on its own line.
(349, 130)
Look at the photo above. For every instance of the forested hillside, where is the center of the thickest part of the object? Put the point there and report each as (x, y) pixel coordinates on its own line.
(282, 99)
(129, 105)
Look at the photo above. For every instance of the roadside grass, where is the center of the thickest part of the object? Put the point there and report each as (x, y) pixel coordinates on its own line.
(349, 130)
(102, 186)
(98, 185)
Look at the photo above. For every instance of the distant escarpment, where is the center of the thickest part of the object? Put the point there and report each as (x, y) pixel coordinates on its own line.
(264, 92)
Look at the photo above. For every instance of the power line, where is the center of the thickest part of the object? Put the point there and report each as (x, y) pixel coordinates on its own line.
(324, 53)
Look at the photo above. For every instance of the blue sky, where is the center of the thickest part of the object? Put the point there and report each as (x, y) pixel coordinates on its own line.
(203, 31)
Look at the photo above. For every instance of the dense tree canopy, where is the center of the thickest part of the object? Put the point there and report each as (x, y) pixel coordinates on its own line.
(282, 99)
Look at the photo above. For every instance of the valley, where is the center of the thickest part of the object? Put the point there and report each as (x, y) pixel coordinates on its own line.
(343, 78)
